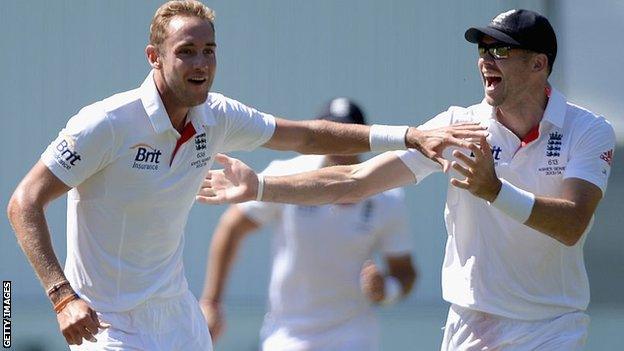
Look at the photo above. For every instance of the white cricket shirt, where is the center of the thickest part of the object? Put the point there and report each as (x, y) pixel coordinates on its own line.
(318, 252)
(497, 265)
(131, 195)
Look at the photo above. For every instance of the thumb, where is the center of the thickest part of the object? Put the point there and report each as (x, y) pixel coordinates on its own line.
(223, 159)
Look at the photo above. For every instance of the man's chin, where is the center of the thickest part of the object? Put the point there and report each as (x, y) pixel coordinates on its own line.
(490, 100)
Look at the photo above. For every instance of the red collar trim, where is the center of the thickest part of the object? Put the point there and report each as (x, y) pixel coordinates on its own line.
(187, 133)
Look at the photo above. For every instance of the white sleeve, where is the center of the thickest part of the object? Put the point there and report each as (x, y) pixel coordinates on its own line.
(591, 157)
(394, 238)
(420, 165)
(82, 148)
(246, 128)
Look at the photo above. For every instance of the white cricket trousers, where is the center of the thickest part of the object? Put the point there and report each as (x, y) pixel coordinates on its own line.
(358, 334)
(470, 330)
(175, 324)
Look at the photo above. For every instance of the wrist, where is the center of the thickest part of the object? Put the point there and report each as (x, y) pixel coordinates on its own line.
(513, 201)
(260, 190)
(61, 293)
(495, 191)
(387, 138)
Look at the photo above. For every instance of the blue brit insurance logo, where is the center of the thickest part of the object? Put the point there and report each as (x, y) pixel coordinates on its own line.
(66, 154)
(146, 157)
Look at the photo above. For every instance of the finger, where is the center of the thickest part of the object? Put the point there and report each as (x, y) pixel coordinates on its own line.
(485, 147)
(208, 192)
(469, 126)
(464, 158)
(463, 184)
(213, 200)
(85, 332)
(446, 164)
(464, 134)
(462, 170)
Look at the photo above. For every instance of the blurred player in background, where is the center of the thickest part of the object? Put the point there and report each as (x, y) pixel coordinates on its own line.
(323, 282)
(519, 205)
(132, 165)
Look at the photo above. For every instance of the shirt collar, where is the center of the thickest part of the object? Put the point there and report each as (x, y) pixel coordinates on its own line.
(555, 109)
(200, 115)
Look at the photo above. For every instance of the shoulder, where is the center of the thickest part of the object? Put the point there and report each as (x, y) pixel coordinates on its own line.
(582, 121)
(223, 105)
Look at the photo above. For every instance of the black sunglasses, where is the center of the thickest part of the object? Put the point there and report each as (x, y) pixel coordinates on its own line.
(497, 51)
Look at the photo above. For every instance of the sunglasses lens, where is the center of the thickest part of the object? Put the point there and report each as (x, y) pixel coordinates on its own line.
(500, 52)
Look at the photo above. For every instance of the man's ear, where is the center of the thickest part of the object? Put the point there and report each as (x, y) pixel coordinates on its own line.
(152, 56)
(540, 62)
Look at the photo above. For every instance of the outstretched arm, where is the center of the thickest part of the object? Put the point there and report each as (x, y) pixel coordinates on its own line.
(325, 137)
(339, 184)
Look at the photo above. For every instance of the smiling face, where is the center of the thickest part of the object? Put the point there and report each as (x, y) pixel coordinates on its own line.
(185, 62)
(505, 80)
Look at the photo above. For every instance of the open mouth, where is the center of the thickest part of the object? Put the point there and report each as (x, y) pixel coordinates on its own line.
(197, 81)
(491, 82)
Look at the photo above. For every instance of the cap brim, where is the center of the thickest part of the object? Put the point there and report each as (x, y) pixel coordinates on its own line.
(475, 34)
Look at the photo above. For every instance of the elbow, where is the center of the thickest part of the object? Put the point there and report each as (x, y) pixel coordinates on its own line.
(572, 237)
(17, 205)
(573, 234)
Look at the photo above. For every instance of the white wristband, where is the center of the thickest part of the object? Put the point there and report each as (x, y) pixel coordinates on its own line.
(387, 138)
(393, 290)
(515, 202)
(260, 187)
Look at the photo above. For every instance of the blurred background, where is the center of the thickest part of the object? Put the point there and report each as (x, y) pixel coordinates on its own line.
(403, 61)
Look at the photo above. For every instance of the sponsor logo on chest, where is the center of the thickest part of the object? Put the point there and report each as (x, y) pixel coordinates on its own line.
(146, 157)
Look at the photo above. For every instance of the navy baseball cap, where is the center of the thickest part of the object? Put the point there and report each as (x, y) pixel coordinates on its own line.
(522, 28)
(342, 110)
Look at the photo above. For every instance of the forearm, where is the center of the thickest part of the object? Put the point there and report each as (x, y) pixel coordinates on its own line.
(558, 218)
(31, 230)
(228, 235)
(337, 184)
(221, 257)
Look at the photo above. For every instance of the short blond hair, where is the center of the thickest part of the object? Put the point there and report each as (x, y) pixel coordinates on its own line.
(170, 9)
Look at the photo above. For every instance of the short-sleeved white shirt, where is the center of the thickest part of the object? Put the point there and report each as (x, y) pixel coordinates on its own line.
(130, 196)
(318, 252)
(496, 264)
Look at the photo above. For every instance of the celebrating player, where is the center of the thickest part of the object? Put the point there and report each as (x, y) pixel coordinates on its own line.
(320, 255)
(519, 204)
(132, 164)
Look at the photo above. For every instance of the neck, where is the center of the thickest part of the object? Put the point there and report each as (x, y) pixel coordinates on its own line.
(176, 111)
(523, 114)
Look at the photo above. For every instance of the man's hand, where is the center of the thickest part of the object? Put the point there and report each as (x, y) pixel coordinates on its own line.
(235, 183)
(372, 282)
(79, 321)
(432, 143)
(214, 318)
(481, 179)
